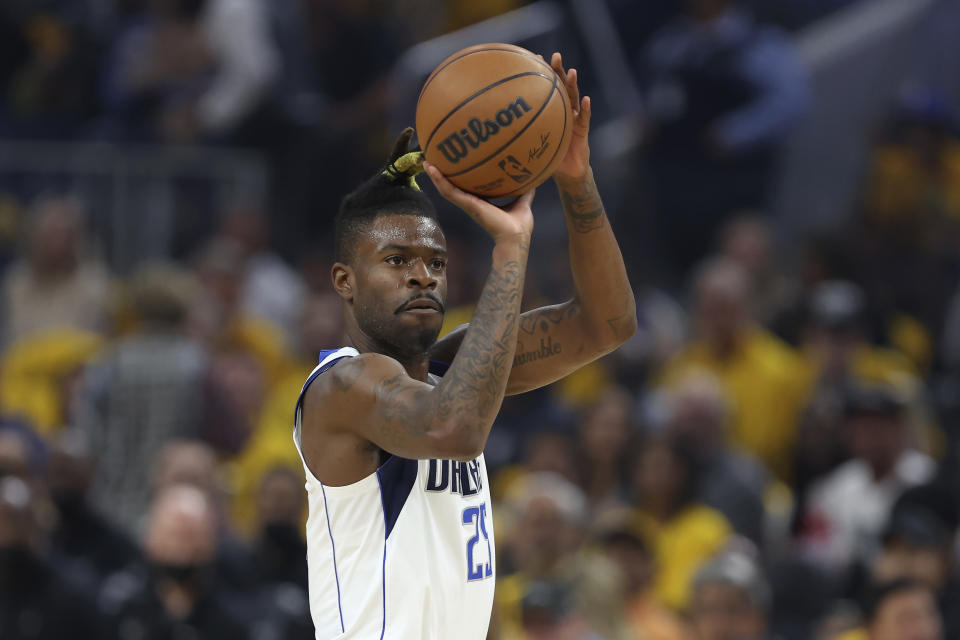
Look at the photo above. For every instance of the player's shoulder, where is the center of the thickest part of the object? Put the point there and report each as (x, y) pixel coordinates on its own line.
(353, 376)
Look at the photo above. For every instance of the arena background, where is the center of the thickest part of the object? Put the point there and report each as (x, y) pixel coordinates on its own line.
(773, 455)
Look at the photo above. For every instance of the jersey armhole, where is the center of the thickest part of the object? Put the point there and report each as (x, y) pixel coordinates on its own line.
(327, 360)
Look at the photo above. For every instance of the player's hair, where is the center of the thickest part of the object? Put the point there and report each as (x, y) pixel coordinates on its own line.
(392, 191)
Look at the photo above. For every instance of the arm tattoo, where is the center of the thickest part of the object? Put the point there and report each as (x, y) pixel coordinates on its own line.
(476, 381)
(543, 318)
(622, 326)
(474, 385)
(584, 209)
(398, 408)
(347, 373)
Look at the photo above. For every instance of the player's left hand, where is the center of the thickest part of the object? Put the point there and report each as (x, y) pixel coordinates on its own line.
(576, 164)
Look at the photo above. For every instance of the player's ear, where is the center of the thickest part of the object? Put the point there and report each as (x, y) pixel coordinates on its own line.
(342, 277)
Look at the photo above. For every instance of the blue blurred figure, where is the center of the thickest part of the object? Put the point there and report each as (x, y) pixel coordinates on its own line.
(721, 91)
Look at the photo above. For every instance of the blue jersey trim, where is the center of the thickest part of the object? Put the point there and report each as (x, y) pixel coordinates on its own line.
(383, 575)
(333, 548)
(397, 477)
(438, 368)
(313, 376)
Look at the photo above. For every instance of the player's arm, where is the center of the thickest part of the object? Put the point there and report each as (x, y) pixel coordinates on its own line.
(554, 341)
(373, 396)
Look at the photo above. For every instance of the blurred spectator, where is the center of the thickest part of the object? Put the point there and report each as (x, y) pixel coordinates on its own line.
(193, 463)
(270, 288)
(901, 610)
(731, 599)
(747, 241)
(918, 543)
(721, 93)
(913, 190)
(88, 548)
(760, 374)
(620, 535)
(320, 326)
(187, 70)
(178, 595)
(732, 482)
(683, 532)
(607, 439)
(279, 550)
(836, 354)
(35, 600)
(847, 509)
(836, 343)
(15, 454)
(548, 612)
(54, 284)
(548, 517)
(148, 389)
(48, 73)
(40, 377)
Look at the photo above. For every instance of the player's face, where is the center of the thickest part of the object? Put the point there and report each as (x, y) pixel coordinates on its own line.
(400, 269)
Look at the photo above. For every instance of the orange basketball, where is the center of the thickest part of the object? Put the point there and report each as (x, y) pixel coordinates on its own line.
(495, 119)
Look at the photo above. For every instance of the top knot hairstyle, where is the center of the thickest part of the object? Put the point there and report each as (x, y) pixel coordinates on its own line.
(392, 191)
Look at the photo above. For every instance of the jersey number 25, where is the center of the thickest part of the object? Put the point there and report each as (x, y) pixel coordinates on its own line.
(477, 517)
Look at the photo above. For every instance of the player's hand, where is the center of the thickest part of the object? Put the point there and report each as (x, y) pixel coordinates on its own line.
(576, 163)
(511, 223)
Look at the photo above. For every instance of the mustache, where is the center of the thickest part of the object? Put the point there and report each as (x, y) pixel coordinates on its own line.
(421, 296)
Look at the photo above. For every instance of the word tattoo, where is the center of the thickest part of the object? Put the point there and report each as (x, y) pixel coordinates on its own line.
(546, 349)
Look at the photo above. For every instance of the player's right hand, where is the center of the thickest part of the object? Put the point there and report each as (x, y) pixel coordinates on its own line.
(511, 223)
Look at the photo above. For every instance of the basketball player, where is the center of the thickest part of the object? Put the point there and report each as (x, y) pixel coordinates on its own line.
(400, 530)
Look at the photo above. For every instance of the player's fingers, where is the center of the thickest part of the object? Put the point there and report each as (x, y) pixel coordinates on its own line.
(586, 110)
(446, 188)
(572, 89)
(526, 200)
(556, 61)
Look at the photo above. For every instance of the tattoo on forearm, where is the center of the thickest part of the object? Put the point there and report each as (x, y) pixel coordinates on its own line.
(478, 378)
(546, 349)
(585, 209)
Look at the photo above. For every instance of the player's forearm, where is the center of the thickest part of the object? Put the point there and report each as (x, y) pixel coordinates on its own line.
(603, 291)
(472, 390)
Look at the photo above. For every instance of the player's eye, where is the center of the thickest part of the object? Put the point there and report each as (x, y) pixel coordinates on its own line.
(439, 264)
(395, 261)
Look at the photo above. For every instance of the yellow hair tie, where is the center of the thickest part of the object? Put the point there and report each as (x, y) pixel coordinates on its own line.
(406, 167)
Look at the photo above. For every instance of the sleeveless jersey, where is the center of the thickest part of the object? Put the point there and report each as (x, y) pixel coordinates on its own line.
(405, 553)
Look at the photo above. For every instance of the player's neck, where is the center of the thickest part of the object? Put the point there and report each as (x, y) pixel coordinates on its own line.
(417, 365)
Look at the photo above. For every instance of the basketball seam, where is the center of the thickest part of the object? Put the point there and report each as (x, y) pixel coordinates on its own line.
(476, 95)
(470, 53)
(555, 151)
(518, 134)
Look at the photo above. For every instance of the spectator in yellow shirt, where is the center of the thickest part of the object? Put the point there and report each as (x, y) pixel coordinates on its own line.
(683, 532)
(760, 373)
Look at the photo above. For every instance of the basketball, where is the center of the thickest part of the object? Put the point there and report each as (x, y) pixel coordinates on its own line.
(495, 119)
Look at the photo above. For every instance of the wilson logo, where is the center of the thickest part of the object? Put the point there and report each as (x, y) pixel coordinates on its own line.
(459, 144)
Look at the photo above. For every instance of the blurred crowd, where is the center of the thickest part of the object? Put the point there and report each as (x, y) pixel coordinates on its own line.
(774, 454)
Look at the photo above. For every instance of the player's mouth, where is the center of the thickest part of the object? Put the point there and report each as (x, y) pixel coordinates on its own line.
(421, 306)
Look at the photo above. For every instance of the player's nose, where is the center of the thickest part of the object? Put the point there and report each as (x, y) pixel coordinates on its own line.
(420, 276)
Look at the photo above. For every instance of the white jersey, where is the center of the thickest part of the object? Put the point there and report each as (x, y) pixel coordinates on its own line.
(405, 553)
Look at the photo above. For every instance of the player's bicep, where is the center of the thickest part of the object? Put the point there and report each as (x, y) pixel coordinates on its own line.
(373, 397)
